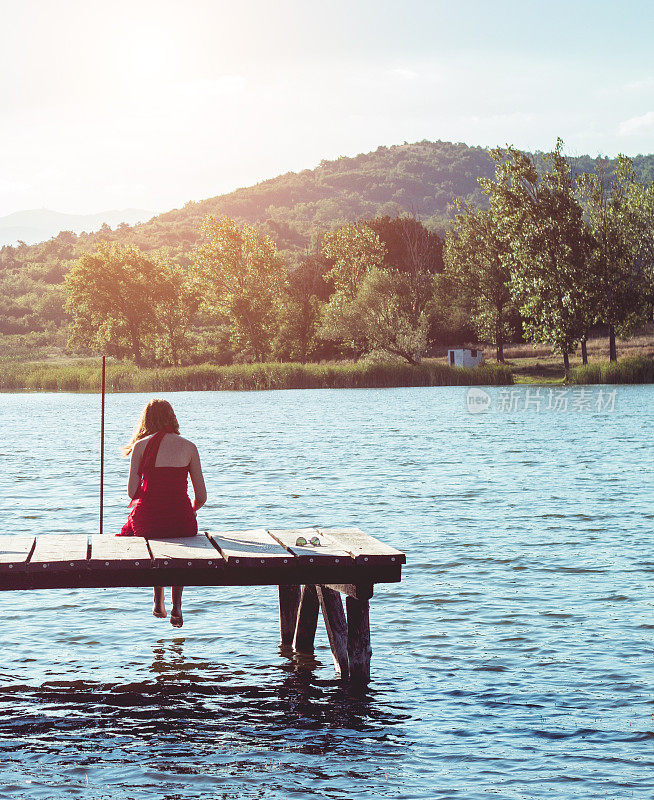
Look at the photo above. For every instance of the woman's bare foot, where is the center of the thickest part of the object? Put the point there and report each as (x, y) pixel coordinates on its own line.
(176, 619)
(159, 608)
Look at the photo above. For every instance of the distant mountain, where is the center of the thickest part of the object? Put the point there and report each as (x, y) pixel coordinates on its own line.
(40, 224)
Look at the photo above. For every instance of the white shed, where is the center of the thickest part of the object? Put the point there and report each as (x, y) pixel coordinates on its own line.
(464, 358)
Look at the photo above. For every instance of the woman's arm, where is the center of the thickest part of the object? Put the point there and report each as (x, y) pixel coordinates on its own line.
(197, 479)
(134, 480)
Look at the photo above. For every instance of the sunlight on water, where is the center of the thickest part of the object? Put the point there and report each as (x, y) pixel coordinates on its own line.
(513, 661)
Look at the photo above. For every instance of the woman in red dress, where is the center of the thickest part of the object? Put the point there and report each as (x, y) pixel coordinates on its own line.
(161, 462)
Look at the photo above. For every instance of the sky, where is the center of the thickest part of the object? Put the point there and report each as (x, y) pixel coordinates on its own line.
(148, 105)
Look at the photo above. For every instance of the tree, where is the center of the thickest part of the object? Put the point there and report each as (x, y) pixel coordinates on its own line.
(410, 246)
(177, 303)
(548, 245)
(477, 258)
(354, 249)
(452, 325)
(414, 251)
(300, 313)
(241, 274)
(622, 228)
(391, 322)
(112, 297)
(639, 208)
(382, 293)
(381, 314)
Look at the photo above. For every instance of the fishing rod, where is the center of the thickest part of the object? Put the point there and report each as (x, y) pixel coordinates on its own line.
(102, 444)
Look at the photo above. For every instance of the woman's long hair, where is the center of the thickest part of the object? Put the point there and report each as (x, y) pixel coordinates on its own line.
(157, 416)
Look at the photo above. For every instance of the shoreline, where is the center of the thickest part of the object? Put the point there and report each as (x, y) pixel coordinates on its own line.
(121, 377)
(84, 377)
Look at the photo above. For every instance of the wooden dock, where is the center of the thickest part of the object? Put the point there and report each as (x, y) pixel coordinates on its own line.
(310, 578)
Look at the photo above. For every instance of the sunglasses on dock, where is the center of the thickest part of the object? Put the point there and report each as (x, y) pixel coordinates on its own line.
(302, 542)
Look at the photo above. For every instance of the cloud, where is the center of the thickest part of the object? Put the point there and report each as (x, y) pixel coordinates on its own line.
(223, 86)
(403, 73)
(640, 85)
(636, 125)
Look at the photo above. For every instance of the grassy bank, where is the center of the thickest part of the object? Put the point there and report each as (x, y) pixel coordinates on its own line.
(635, 369)
(85, 377)
(537, 364)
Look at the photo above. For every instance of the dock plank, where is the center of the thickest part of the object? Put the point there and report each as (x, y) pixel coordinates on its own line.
(187, 551)
(365, 549)
(14, 550)
(326, 553)
(60, 561)
(119, 552)
(251, 548)
(59, 552)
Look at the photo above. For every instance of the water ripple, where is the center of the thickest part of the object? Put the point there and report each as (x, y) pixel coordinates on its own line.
(513, 661)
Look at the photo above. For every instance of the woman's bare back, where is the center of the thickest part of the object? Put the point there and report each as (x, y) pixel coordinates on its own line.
(174, 451)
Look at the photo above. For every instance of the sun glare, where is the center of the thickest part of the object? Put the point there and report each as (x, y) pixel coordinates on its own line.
(149, 55)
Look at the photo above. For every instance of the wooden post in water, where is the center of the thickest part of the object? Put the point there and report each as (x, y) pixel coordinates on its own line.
(358, 638)
(289, 601)
(102, 444)
(336, 625)
(307, 620)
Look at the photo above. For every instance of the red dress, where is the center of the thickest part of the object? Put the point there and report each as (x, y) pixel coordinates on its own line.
(161, 508)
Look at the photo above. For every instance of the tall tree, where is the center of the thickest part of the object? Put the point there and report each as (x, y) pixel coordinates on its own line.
(376, 307)
(415, 252)
(178, 302)
(112, 295)
(477, 258)
(410, 246)
(241, 274)
(380, 316)
(622, 222)
(385, 312)
(305, 292)
(354, 250)
(639, 207)
(549, 245)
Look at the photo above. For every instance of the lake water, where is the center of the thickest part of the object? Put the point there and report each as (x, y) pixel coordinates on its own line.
(513, 661)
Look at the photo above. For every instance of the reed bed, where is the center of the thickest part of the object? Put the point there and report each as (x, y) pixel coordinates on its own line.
(84, 377)
(633, 369)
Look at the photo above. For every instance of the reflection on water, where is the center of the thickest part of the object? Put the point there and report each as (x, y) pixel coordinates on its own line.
(80, 732)
(513, 661)
(168, 659)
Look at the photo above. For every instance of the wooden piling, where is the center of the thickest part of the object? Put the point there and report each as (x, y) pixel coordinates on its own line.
(359, 650)
(289, 602)
(336, 625)
(307, 620)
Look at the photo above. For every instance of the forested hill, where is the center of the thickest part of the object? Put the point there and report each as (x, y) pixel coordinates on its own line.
(294, 208)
